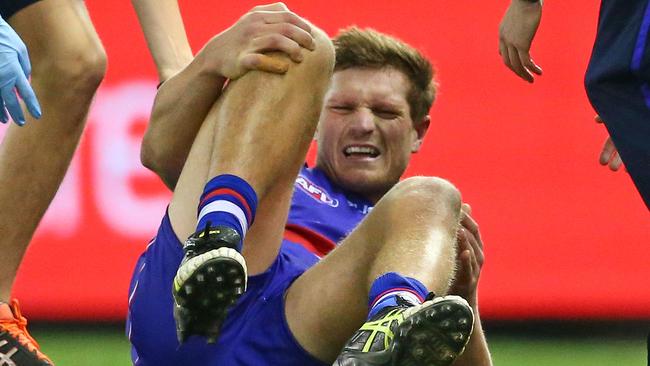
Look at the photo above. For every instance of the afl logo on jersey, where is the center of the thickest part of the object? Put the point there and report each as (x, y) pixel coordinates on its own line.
(316, 192)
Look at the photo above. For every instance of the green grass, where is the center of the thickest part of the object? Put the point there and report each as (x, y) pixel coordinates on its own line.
(513, 350)
(107, 346)
(83, 346)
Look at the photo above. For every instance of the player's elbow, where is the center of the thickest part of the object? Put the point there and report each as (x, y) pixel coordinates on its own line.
(148, 155)
(159, 161)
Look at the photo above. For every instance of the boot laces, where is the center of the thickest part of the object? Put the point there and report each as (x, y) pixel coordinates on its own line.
(17, 328)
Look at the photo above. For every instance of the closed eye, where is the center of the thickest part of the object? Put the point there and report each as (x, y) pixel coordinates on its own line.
(341, 108)
(386, 113)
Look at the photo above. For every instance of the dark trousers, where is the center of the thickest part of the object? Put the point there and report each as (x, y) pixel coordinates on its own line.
(618, 83)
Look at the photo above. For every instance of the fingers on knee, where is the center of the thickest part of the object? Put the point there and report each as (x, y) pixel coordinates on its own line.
(429, 191)
(318, 62)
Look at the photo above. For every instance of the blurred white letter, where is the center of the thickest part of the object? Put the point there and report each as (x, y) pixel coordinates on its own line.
(116, 160)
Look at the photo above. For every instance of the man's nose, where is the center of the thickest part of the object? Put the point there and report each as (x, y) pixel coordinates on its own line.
(364, 121)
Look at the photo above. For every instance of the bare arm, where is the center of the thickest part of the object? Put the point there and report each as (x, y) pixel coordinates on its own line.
(470, 262)
(516, 33)
(178, 112)
(184, 101)
(163, 28)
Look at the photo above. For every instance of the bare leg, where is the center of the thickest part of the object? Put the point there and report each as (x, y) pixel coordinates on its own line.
(68, 65)
(412, 231)
(259, 130)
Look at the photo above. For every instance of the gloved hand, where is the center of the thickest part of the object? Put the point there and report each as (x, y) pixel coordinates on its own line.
(14, 72)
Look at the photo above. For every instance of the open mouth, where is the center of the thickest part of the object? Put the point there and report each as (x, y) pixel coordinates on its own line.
(357, 151)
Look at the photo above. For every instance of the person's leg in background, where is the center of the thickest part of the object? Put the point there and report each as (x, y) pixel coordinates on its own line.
(68, 64)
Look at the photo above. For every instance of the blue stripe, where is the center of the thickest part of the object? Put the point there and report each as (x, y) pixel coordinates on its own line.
(641, 40)
(639, 50)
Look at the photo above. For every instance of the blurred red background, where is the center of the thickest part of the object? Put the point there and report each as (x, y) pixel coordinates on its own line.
(564, 237)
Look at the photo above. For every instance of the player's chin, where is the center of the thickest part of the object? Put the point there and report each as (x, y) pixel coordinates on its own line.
(367, 182)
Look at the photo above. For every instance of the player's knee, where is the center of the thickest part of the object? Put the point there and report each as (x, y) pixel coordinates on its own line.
(79, 69)
(322, 58)
(428, 192)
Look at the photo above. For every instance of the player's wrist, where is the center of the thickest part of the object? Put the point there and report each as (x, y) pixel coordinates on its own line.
(209, 66)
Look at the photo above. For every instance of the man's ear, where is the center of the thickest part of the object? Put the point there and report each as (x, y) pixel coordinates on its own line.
(420, 129)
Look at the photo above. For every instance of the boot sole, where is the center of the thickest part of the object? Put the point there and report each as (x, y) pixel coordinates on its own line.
(434, 334)
(206, 286)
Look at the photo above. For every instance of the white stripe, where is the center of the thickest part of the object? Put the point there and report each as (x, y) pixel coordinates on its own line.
(226, 206)
(408, 296)
(137, 282)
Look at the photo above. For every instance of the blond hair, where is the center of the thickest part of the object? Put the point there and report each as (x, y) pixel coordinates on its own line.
(367, 48)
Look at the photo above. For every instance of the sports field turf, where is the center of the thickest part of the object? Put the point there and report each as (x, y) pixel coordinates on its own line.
(107, 346)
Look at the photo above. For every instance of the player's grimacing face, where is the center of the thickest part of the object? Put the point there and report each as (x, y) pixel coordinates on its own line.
(366, 134)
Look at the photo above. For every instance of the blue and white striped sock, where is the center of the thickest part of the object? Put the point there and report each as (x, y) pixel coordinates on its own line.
(387, 287)
(228, 200)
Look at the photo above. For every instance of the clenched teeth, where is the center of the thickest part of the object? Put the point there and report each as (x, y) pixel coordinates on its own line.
(365, 150)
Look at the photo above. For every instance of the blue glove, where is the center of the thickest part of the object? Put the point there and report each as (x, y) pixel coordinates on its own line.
(14, 72)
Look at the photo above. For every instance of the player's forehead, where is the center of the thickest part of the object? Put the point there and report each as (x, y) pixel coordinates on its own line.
(387, 85)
